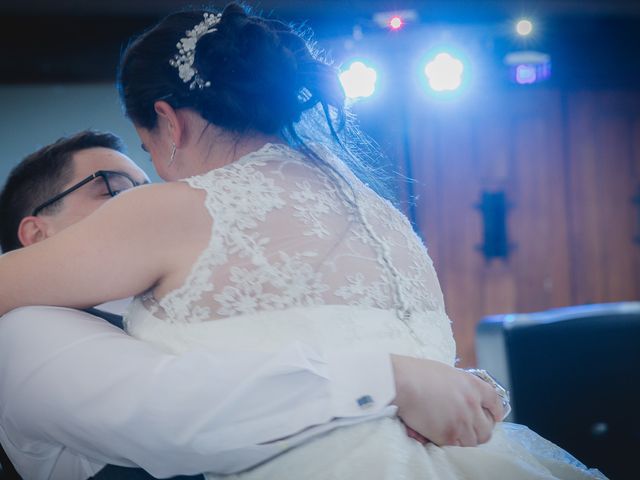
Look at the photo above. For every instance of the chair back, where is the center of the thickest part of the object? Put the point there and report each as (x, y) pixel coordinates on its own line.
(574, 378)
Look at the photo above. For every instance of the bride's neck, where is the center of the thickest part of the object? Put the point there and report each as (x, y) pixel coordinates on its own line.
(214, 148)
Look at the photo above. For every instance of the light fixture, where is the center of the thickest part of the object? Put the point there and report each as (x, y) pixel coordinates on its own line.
(528, 67)
(396, 19)
(444, 72)
(396, 22)
(359, 80)
(524, 27)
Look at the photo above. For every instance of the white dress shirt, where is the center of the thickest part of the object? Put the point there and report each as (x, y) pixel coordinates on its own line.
(77, 393)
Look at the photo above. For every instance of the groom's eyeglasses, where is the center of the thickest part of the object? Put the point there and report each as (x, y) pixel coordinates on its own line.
(114, 182)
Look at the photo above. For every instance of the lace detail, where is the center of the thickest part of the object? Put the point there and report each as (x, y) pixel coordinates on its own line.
(294, 280)
(312, 206)
(284, 233)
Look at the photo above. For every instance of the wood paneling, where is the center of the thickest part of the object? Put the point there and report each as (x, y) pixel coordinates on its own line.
(602, 169)
(539, 215)
(569, 165)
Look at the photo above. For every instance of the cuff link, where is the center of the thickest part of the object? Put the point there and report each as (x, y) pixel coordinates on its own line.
(365, 401)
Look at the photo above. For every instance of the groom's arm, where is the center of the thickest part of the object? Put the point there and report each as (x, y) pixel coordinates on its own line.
(69, 378)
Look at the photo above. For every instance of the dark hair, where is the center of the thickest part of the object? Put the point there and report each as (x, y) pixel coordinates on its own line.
(263, 74)
(42, 175)
(264, 77)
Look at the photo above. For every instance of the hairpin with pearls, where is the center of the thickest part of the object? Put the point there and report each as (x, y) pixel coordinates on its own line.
(183, 60)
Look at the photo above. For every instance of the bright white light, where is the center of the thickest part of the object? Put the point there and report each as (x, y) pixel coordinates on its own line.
(359, 80)
(524, 27)
(396, 22)
(444, 72)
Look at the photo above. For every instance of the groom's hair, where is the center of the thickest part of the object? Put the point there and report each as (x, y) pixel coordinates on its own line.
(42, 175)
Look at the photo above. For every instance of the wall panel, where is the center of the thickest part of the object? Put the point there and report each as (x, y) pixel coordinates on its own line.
(569, 164)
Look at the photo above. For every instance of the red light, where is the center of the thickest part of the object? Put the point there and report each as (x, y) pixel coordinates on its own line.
(396, 22)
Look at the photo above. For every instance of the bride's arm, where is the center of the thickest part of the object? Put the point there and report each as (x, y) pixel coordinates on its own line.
(120, 250)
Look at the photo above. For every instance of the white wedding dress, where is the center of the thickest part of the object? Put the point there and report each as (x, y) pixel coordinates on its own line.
(296, 255)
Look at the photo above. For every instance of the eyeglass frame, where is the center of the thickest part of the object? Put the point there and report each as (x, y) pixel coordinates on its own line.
(73, 188)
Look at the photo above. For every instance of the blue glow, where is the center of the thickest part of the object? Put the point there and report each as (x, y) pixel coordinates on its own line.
(359, 80)
(444, 72)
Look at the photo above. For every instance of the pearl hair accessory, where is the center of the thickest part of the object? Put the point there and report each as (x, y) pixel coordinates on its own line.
(183, 60)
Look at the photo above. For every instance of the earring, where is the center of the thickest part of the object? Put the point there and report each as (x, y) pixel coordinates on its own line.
(173, 154)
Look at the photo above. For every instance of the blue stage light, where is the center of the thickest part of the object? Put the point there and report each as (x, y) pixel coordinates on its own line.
(527, 67)
(444, 72)
(526, 74)
(359, 80)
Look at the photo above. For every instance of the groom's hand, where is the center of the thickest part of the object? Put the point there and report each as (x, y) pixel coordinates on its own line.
(445, 405)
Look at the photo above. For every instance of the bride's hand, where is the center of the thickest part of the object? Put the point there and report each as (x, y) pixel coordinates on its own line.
(443, 404)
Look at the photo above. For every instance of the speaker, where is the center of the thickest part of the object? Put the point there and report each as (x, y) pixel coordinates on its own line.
(574, 377)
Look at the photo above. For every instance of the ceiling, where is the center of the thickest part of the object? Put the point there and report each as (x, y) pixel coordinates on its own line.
(324, 8)
(81, 40)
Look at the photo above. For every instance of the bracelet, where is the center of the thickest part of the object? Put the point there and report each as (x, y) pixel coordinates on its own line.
(500, 390)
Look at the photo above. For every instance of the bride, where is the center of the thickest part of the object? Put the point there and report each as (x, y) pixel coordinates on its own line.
(268, 239)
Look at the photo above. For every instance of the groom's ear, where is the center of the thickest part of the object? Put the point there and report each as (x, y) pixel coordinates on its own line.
(32, 230)
(172, 121)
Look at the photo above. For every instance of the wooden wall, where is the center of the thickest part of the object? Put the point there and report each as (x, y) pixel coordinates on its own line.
(569, 164)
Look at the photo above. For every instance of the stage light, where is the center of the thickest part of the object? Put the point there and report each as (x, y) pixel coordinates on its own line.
(524, 27)
(528, 66)
(359, 80)
(396, 22)
(525, 74)
(444, 72)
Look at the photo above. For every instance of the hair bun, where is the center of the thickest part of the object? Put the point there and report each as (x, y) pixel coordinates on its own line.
(262, 74)
(246, 60)
(233, 10)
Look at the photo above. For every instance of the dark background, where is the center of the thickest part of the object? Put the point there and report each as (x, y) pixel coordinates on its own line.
(592, 42)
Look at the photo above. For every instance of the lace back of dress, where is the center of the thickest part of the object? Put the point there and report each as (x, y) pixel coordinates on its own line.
(345, 185)
(288, 233)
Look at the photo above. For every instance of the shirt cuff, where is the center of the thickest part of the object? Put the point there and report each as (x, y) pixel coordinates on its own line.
(362, 383)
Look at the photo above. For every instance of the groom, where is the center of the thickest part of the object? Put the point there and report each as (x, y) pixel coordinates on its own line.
(77, 394)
